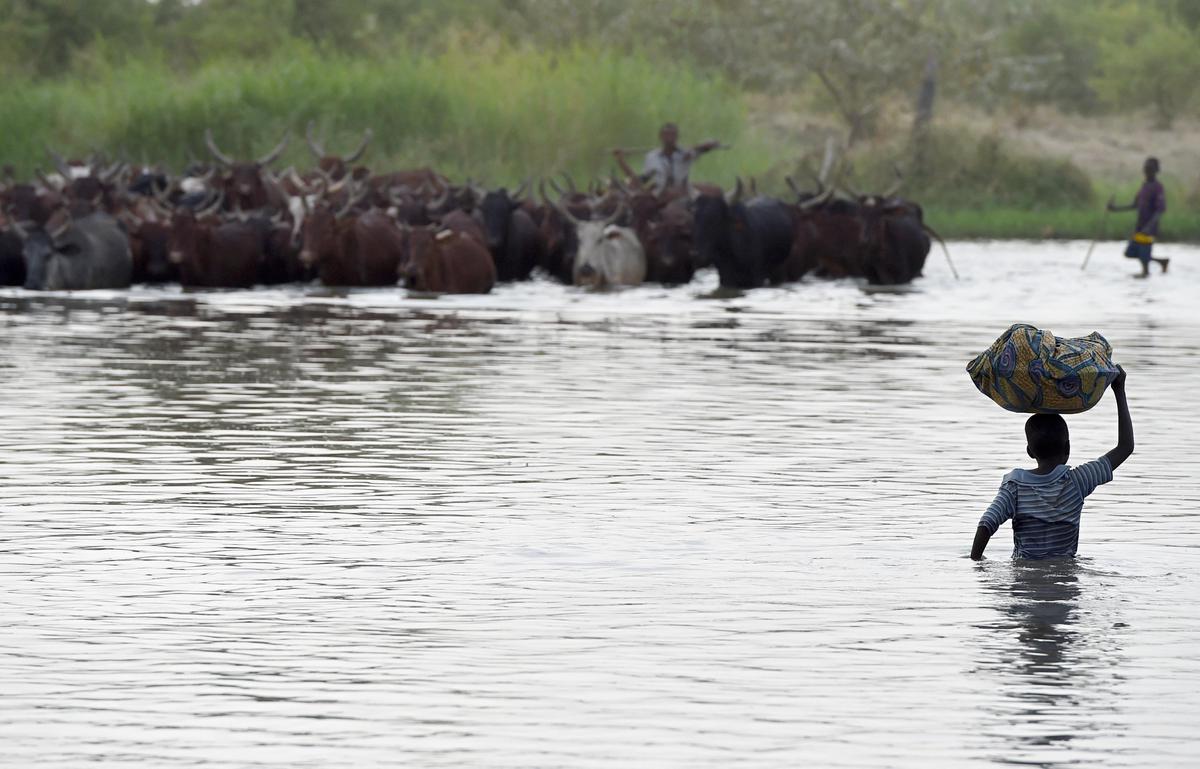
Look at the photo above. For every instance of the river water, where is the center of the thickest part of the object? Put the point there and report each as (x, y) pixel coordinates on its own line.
(548, 528)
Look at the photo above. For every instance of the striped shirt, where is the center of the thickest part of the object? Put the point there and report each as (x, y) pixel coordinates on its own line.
(1045, 508)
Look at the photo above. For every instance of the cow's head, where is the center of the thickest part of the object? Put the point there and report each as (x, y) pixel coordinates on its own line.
(244, 185)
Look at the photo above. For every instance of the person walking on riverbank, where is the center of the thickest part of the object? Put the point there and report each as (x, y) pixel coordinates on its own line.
(1150, 204)
(666, 169)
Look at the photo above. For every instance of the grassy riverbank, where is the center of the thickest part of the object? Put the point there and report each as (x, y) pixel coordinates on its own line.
(1001, 223)
(499, 113)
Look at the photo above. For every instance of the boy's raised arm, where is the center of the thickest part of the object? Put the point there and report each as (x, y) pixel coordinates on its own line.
(1124, 445)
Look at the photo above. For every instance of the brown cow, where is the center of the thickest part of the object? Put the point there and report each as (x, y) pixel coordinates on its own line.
(461, 221)
(444, 261)
(244, 184)
(352, 250)
(214, 254)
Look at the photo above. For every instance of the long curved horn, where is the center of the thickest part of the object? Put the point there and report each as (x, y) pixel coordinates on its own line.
(45, 181)
(520, 191)
(896, 184)
(213, 207)
(61, 165)
(314, 146)
(274, 154)
(214, 150)
(351, 202)
(555, 187)
(439, 203)
(112, 171)
(561, 209)
(791, 183)
(362, 147)
(815, 200)
(827, 162)
(616, 215)
(570, 183)
(59, 230)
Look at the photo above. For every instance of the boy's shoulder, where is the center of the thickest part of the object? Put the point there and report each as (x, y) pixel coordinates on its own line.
(1021, 476)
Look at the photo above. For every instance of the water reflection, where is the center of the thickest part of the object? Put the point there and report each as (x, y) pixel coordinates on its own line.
(1057, 663)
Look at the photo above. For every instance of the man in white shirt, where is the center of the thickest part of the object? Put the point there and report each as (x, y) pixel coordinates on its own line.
(666, 169)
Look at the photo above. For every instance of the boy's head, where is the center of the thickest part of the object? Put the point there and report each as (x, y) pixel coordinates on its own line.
(1150, 168)
(1048, 438)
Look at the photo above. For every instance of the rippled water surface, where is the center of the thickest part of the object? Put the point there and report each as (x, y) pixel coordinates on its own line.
(546, 528)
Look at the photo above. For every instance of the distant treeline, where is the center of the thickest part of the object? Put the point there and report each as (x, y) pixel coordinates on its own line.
(1079, 55)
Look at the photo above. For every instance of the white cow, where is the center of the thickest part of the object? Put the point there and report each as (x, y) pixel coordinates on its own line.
(608, 256)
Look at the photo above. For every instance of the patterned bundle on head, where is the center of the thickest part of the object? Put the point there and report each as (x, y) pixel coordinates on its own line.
(1029, 370)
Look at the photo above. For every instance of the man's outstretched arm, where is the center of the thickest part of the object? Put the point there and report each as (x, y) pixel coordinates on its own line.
(1124, 445)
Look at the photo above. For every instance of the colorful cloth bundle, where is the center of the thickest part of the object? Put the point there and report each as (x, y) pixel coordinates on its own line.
(1033, 372)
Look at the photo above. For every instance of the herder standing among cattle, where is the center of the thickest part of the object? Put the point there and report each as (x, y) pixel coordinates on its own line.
(666, 169)
(1150, 204)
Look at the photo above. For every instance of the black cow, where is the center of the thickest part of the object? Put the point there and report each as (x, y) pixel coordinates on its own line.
(747, 241)
(85, 253)
(512, 236)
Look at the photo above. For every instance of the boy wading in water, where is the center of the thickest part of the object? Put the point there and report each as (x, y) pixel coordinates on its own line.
(1150, 204)
(1044, 503)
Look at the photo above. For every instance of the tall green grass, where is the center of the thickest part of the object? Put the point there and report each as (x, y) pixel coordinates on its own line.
(499, 114)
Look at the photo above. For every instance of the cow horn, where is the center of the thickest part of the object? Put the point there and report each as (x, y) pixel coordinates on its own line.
(351, 202)
(45, 181)
(160, 209)
(274, 154)
(561, 209)
(58, 231)
(557, 189)
(753, 187)
(439, 203)
(358, 153)
(791, 183)
(520, 191)
(616, 215)
(212, 206)
(570, 183)
(313, 145)
(214, 150)
(63, 167)
(738, 191)
(112, 171)
(815, 200)
(616, 183)
(896, 184)
(827, 162)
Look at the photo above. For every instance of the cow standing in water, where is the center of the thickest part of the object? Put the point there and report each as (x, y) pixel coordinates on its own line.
(76, 254)
(512, 237)
(748, 241)
(352, 249)
(446, 261)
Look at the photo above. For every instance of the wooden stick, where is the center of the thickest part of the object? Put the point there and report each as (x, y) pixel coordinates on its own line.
(1091, 248)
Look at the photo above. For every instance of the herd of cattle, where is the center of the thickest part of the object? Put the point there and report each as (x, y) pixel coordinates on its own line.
(230, 223)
